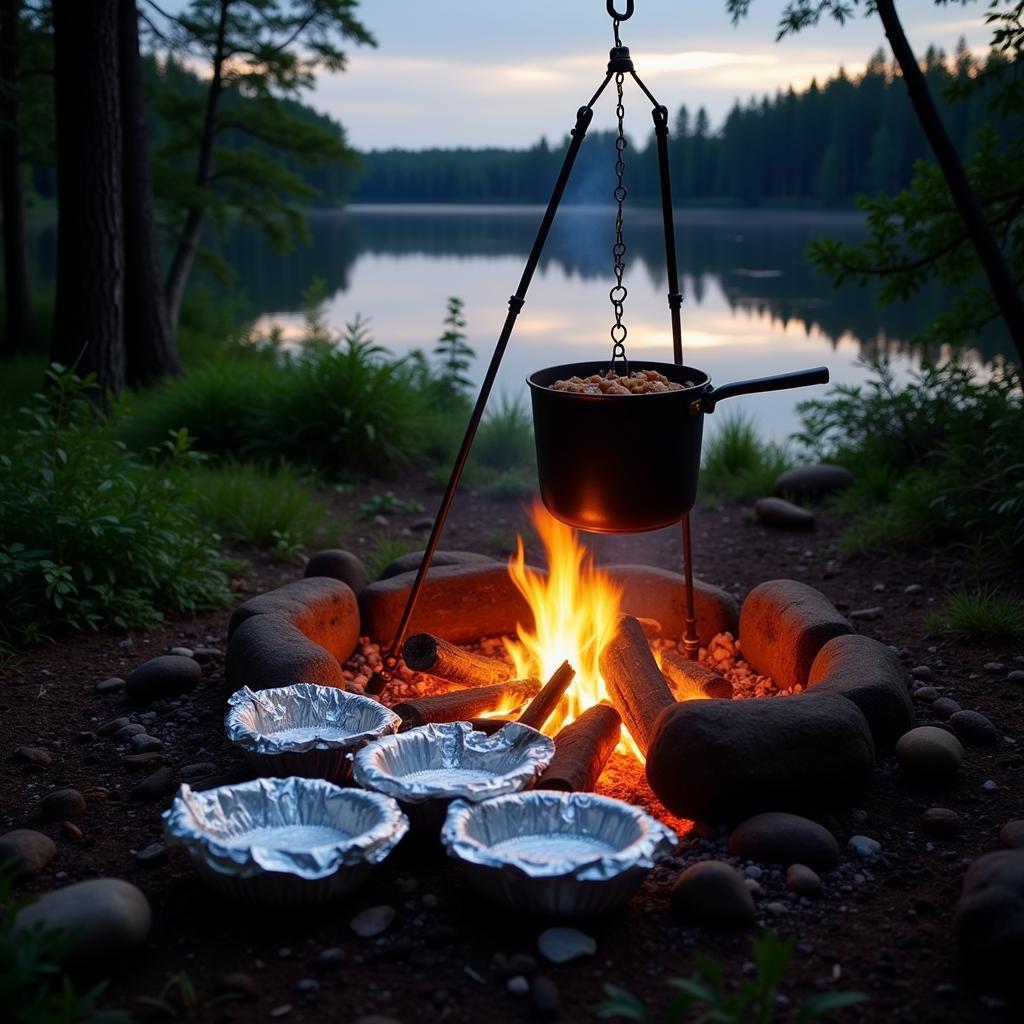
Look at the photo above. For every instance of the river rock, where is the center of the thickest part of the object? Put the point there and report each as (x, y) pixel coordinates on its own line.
(974, 727)
(104, 918)
(803, 881)
(34, 756)
(143, 743)
(783, 515)
(930, 754)
(165, 676)
(1011, 835)
(813, 481)
(941, 823)
(563, 945)
(373, 921)
(989, 921)
(945, 707)
(410, 562)
(160, 784)
(779, 838)
(266, 651)
(783, 626)
(459, 603)
(652, 593)
(864, 847)
(29, 851)
(871, 675)
(129, 732)
(712, 894)
(63, 805)
(112, 685)
(721, 760)
(338, 564)
(115, 725)
(323, 610)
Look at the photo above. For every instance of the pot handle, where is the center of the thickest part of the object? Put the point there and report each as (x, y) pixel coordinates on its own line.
(780, 382)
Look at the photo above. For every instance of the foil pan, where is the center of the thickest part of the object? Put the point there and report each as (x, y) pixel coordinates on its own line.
(304, 729)
(556, 854)
(425, 769)
(284, 843)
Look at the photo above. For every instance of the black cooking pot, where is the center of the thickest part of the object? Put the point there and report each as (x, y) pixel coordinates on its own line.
(627, 463)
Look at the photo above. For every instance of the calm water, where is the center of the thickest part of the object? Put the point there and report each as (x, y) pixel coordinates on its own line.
(752, 304)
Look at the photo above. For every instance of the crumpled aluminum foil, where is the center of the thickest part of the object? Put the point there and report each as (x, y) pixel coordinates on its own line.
(304, 729)
(426, 768)
(562, 854)
(284, 842)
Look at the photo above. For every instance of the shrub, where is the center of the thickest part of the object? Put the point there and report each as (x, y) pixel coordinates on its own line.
(252, 504)
(737, 463)
(93, 535)
(505, 438)
(981, 614)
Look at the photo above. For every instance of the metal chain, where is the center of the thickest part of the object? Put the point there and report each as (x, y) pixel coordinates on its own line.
(617, 295)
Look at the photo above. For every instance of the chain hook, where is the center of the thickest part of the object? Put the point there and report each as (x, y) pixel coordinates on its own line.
(613, 13)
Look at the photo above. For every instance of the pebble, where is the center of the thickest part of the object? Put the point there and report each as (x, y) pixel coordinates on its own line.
(913, 589)
(1011, 835)
(941, 822)
(63, 803)
(994, 667)
(372, 922)
(922, 672)
(802, 880)
(945, 707)
(329, 960)
(1016, 676)
(165, 676)
(200, 770)
(782, 514)
(125, 733)
(974, 727)
(864, 846)
(281, 1011)
(990, 786)
(517, 985)
(71, 830)
(925, 694)
(239, 983)
(182, 652)
(930, 754)
(104, 919)
(779, 838)
(754, 887)
(204, 655)
(35, 756)
(307, 987)
(114, 725)
(544, 998)
(867, 614)
(155, 853)
(143, 743)
(754, 872)
(141, 762)
(111, 685)
(563, 945)
(714, 894)
(161, 783)
(30, 851)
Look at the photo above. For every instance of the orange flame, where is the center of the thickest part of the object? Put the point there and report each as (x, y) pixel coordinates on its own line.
(575, 607)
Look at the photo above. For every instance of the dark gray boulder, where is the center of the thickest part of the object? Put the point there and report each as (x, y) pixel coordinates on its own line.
(712, 894)
(169, 675)
(775, 837)
(723, 760)
(324, 610)
(410, 562)
(871, 675)
(783, 515)
(783, 626)
(266, 651)
(338, 564)
(813, 481)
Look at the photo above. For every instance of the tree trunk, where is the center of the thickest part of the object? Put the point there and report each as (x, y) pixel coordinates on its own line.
(18, 328)
(1000, 279)
(188, 243)
(149, 344)
(90, 253)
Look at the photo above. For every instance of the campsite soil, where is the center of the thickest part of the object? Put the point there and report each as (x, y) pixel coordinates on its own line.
(882, 928)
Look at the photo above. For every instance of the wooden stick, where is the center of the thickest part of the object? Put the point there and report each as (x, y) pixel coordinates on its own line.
(581, 750)
(426, 653)
(465, 704)
(637, 688)
(543, 705)
(694, 681)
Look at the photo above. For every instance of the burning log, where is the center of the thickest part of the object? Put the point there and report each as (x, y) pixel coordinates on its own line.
(692, 680)
(489, 725)
(637, 688)
(465, 704)
(426, 653)
(543, 705)
(581, 750)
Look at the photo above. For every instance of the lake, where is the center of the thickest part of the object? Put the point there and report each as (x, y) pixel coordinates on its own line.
(752, 304)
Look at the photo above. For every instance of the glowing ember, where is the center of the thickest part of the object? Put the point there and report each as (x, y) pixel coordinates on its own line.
(574, 612)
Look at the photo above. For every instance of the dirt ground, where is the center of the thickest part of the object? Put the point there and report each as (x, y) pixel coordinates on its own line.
(882, 927)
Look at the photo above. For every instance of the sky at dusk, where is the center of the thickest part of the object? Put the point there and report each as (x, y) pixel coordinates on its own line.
(484, 72)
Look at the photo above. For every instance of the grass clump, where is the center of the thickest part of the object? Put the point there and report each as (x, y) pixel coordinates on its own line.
(256, 505)
(93, 535)
(384, 548)
(708, 996)
(979, 614)
(737, 463)
(937, 459)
